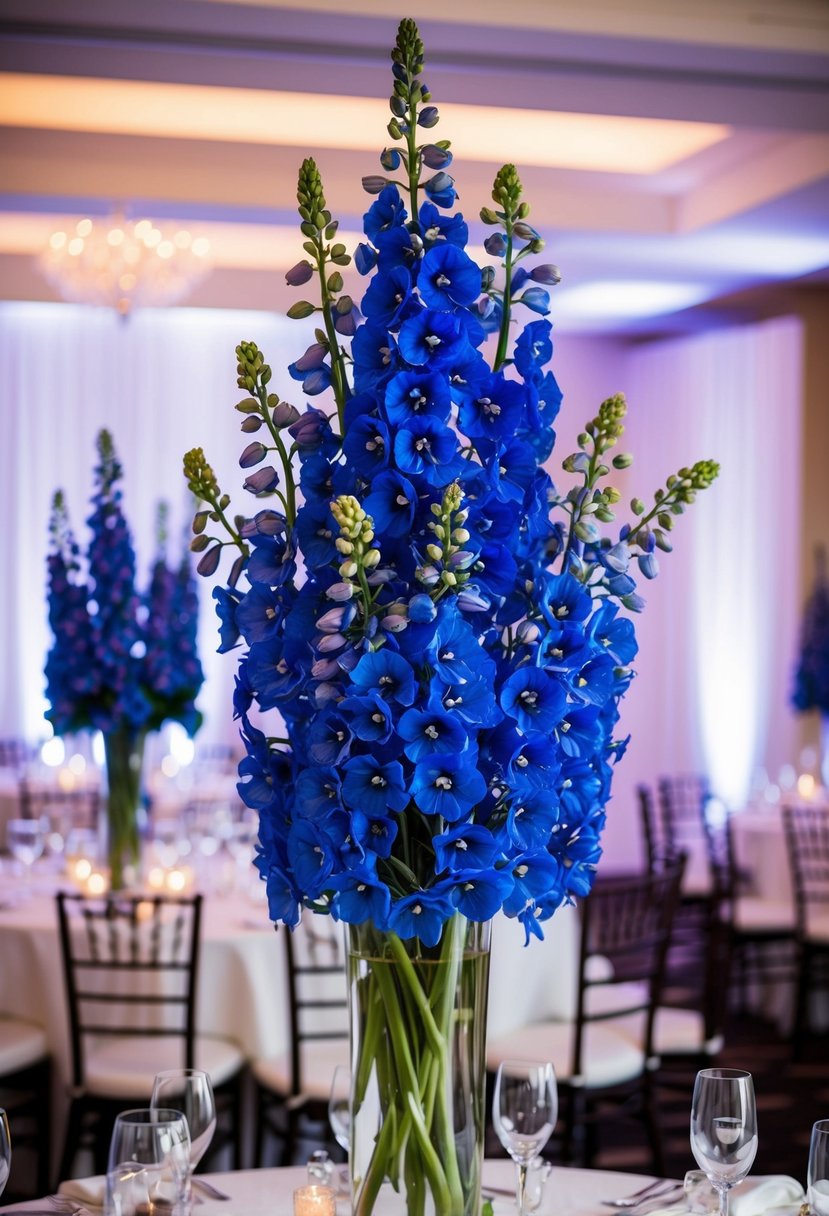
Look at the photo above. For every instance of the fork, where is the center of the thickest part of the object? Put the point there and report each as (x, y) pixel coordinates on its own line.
(653, 1190)
(200, 1182)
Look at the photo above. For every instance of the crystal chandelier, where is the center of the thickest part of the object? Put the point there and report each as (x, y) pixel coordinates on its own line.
(124, 264)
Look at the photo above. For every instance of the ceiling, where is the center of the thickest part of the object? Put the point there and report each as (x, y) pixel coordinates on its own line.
(674, 155)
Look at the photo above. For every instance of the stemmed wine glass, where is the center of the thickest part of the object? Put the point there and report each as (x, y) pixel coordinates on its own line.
(5, 1150)
(339, 1116)
(818, 1176)
(189, 1091)
(158, 1139)
(25, 839)
(724, 1128)
(524, 1111)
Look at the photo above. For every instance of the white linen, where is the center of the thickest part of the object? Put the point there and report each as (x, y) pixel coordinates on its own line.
(242, 990)
(91, 1192)
(753, 1196)
(269, 1192)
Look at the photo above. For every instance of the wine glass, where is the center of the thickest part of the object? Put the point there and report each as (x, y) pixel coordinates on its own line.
(5, 1150)
(189, 1091)
(524, 1111)
(724, 1128)
(25, 839)
(160, 1140)
(339, 1115)
(339, 1107)
(130, 1189)
(817, 1180)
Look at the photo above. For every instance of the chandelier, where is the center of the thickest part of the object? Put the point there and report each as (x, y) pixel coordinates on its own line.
(124, 264)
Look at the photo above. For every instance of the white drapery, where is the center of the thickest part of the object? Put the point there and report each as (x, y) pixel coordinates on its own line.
(718, 637)
(163, 381)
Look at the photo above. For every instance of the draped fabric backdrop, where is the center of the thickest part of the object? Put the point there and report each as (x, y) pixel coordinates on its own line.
(162, 382)
(718, 640)
(719, 634)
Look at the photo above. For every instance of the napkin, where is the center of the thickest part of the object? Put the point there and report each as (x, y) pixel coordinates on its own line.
(756, 1195)
(753, 1197)
(87, 1191)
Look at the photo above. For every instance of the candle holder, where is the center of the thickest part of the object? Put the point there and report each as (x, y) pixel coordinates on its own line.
(315, 1201)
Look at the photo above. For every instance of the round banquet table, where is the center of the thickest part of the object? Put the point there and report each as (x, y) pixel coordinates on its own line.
(269, 1192)
(242, 991)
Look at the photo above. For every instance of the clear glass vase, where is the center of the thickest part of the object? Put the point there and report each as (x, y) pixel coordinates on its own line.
(418, 1039)
(124, 751)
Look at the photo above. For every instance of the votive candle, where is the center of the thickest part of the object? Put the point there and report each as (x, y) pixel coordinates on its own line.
(315, 1201)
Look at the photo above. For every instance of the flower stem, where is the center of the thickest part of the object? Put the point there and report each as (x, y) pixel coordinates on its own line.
(503, 333)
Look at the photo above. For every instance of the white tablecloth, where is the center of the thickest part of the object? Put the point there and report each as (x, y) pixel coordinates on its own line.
(760, 847)
(269, 1192)
(242, 989)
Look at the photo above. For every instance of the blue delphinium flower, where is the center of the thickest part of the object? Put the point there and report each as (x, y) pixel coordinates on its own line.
(120, 661)
(449, 665)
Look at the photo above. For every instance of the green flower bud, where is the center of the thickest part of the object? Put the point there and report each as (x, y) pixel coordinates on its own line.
(300, 310)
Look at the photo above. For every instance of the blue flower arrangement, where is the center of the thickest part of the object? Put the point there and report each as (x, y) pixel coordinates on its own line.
(120, 663)
(811, 685)
(118, 659)
(449, 660)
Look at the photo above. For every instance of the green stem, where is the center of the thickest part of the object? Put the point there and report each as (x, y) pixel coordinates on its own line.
(339, 381)
(231, 531)
(124, 750)
(503, 333)
(376, 1170)
(409, 974)
(444, 1200)
(413, 160)
(290, 486)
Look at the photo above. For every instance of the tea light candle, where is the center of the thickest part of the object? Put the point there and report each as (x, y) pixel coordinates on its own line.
(156, 878)
(80, 869)
(315, 1201)
(96, 883)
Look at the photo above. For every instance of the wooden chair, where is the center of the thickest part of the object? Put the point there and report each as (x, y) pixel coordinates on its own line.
(296, 1086)
(758, 933)
(807, 841)
(682, 801)
(130, 966)
(64, 809)
(604, 1057)
(655, 843)
(25, 1090)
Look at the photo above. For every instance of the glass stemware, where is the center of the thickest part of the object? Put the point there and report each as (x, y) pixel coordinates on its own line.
(26, 839)
(189, 1091)
(160, 1140)
(817, 1179)
(339, 1107)
(5, 1150)
(724, 1128)
(524, 1112)
(339, 1117)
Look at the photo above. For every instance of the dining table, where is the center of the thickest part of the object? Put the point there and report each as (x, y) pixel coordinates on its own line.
(269, 1192)
(242, 985)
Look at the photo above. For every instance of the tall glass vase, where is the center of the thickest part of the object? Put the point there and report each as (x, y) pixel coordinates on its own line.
(418, 1036)
(124, 751)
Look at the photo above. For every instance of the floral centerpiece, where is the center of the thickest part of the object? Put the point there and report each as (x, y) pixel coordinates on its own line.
(811, 683)
(120, 663)
(440, 685)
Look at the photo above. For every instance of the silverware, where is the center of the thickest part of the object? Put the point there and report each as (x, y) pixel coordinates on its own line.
(647, 1192)
(199, 1181)
(657, 1201)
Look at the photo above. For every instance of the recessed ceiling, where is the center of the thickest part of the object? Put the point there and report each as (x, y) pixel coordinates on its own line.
(594, 142)
(680, 150)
